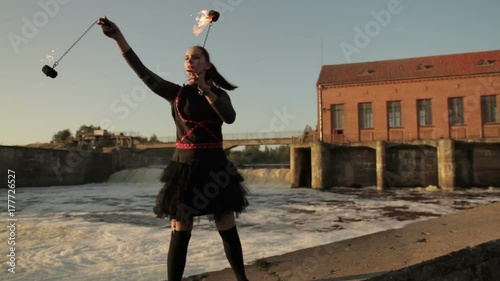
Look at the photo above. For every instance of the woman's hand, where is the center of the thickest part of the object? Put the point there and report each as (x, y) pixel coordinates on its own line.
(198, 80)
(109, 28)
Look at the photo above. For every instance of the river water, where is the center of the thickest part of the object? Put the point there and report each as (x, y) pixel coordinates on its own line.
(108, 231)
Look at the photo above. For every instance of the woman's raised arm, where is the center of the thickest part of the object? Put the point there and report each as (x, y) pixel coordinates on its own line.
(158, 85)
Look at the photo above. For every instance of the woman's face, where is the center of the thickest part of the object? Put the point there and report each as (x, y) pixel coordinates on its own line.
(195, 62)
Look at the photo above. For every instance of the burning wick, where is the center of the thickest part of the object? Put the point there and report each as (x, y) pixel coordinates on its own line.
(49, 59)
(204, 19)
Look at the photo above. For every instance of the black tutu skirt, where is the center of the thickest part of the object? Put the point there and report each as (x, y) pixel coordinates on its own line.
(206, 186)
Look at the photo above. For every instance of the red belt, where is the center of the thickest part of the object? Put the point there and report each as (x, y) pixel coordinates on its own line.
(207, 145)
(197, 125)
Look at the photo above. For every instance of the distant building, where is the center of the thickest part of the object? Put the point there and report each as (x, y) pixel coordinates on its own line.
(438, 97)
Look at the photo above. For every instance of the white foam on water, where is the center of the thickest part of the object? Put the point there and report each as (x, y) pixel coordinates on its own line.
(259, 176)
(139, 175)
(108, 231)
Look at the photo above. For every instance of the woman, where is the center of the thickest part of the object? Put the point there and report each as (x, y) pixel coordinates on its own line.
(199, 180)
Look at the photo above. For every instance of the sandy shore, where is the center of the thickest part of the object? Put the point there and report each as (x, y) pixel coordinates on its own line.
(377, 254)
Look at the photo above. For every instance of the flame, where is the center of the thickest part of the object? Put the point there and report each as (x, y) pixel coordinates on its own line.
(202, 20)
(49, 59)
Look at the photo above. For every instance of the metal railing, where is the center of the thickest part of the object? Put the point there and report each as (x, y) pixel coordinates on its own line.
(249, 136)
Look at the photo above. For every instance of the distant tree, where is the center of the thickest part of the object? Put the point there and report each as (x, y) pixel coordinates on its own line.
(86, 130)
(253, 155)
(236, 157)
(62, 136)
(153, 138)
(280, 154)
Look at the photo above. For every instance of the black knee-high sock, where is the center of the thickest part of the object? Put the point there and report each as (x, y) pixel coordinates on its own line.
(177, 252)
(234, 253)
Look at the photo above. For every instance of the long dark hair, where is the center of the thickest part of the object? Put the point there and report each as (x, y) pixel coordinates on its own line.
(214, 75)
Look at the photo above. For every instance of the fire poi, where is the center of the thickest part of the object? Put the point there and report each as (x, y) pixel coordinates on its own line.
(50, 71)
(205, 18)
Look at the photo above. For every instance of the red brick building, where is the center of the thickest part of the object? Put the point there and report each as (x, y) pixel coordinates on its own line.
(439, 97)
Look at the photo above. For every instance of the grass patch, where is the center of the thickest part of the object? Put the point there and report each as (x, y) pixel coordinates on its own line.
(262, 264)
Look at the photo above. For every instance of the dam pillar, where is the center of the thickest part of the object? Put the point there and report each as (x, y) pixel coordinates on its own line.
(294, 179)
(321, 163)
(380, 164)
(446, 164)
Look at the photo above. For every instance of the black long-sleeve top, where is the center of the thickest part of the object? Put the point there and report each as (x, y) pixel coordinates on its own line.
(191, 106)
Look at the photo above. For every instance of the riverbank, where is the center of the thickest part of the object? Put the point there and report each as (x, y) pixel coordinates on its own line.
(377, 254)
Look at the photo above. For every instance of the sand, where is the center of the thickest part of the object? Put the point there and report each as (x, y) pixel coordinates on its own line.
(451, 247)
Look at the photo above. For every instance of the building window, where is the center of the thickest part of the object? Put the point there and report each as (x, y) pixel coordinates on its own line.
(366, 72)
(485, 62)
(489, 109)
(424, 108)
(456, 109)
(424, 67)
(394, 114)
(337, 116)
(365, 115)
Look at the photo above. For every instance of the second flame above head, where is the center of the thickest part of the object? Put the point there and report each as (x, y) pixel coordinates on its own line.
(204, 19)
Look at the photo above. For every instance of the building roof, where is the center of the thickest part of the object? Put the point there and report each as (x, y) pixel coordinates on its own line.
(411, 68)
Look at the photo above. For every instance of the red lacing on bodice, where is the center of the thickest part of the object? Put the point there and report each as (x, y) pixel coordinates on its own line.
(217, 143)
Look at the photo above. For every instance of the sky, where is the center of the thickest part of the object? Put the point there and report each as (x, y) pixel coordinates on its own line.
(273, 51)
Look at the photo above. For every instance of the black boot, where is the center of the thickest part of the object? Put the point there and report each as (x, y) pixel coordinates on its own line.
(177, 252)
(234, 253)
